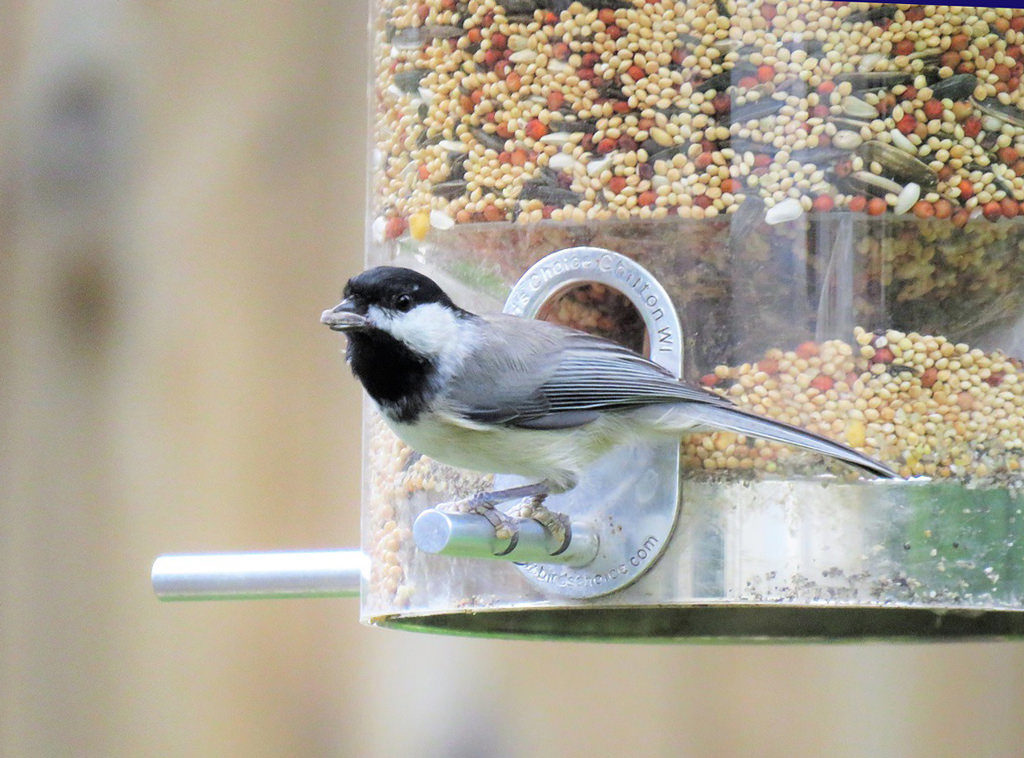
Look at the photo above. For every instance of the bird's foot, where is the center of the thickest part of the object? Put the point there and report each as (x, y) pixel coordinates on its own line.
(555, 524)
(485, 504)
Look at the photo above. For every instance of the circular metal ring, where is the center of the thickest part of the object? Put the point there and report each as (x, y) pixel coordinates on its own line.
(560, 271)
(631, 495)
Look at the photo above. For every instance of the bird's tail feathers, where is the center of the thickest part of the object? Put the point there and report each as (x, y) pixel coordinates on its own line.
(700, 417)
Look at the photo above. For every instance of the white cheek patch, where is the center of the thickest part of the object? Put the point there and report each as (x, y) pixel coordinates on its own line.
(429, 329)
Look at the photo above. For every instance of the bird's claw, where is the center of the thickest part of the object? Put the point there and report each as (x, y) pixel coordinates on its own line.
(555, 524)
(481, 504)
(505, 529)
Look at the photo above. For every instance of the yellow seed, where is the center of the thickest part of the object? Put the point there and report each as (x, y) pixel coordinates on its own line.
(856, 433)
(724, 439)
(419, 225)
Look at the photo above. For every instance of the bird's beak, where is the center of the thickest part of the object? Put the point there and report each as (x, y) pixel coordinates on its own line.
(344, 317)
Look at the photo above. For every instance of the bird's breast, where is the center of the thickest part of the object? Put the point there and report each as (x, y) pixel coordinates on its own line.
(559, 455)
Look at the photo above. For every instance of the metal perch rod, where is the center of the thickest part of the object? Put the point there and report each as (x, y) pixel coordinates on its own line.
(241, 576)
(473, 536)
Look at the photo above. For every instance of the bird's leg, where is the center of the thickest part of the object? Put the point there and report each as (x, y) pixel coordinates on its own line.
(485, 504)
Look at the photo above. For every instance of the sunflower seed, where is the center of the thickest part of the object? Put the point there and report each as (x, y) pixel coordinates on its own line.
(899, 139)
(862, 81)
(821, 157)
(450, 189)
(409, 80)
(586, 126)
(897, 164)
(721, 82)
(561, 161)
(786, 210)
(957, 87)
(523, 56)
(908, 196)
(549, 195)
(457, 165)
(875, 13)
(555, 138)
(756, 110)
(414, 37)
(441, 220)
(1007, 114)
(877, 185)
(848, 140)
(869, 61)
(488, 140)
(596, 167)
(857, 108)
(520, 7)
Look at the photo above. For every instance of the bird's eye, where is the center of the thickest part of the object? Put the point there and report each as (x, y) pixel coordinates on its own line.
(404, 302)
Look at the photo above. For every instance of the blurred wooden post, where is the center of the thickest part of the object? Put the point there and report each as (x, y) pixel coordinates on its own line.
(171, 230)
(70, 147)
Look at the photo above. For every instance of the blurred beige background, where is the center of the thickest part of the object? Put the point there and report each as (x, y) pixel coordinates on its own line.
(181, 193)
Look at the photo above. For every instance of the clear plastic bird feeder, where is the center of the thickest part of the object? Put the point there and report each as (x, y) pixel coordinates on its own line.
(826, 195)
(816, 206)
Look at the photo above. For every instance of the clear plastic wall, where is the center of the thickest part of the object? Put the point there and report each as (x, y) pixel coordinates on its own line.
(829, 193)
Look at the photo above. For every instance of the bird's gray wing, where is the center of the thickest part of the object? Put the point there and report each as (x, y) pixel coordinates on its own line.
(534, 374)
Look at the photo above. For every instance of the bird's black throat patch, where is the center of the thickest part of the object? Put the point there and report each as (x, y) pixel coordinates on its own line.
(398, 379)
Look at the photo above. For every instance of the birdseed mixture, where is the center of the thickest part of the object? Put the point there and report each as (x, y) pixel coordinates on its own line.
(538, 109)
(923, 404)
(829, 191)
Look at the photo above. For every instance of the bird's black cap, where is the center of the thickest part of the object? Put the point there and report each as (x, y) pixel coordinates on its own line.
(395, 288)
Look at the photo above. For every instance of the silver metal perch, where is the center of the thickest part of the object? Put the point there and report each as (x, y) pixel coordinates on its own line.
(470, 535)
(244, 576)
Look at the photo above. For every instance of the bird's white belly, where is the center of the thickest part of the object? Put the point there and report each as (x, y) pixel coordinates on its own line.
(554, 454)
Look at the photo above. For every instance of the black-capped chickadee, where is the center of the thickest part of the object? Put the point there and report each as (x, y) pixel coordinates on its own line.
(503, 394)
